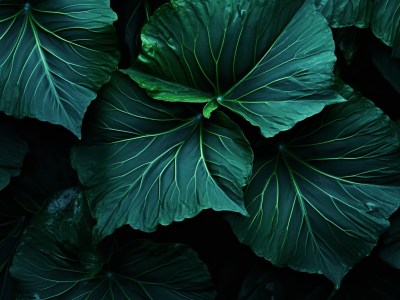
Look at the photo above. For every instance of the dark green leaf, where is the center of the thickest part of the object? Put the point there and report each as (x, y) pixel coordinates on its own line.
(12, 153)
(347, 41)
(344, 13)
(57, 260)
(15, 212)
(134, 23)
(320, 197)
(390, 248)
(55, 55)
(267, 282)
(387, 65)
(158, 162)
(386, 23)
(371, 279)
(268, 61)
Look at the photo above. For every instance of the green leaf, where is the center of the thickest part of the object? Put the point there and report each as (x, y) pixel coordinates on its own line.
(370, 279)
(11, 228)
(390, 248)
(345, 13)
(268, 61)
(15, 212)
(12, 153)
(320, 197)
(136, 13)
(56, 259)
(347, 41)
(386, 23)
(55, 55)
(158, 162)
(387, 65)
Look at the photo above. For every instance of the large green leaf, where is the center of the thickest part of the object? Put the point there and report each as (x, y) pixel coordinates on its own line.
(56, 259)
(382, 15)
(16, 210)
(12, 153)
(321, 195)
(158, 162)
(54, 56)
(344, 13)
(386, 23)
(269, 61)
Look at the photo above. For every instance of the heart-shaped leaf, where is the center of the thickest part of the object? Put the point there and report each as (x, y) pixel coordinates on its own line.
(54, 56)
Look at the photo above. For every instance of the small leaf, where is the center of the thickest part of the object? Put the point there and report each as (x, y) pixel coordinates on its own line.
(158, 162)
(55, 55)
(321, 196)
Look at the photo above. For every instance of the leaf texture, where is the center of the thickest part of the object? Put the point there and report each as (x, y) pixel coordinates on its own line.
(55, 55)
(145, 162)
(269, 61)
(319, 200)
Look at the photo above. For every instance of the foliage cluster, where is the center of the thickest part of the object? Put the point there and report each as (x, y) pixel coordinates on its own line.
(210, 149)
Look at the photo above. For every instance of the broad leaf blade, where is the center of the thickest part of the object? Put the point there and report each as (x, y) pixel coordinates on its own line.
(319, 201)
(57, 260)
(158, 162)
(12, 153)
(55, 55)
(273, 72)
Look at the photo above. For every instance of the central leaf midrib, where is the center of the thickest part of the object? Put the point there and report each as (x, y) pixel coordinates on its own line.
(43, 60)
(254, 67)
(301, 202)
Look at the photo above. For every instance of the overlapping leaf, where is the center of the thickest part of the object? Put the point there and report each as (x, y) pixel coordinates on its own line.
(319, 200)
(386, 23)
(15, 212)
(54, 56)
(146, 162)
(344, 13)
(390, 248)
(12, 153)
(383, 16)
(57, 260)
(269, 61)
